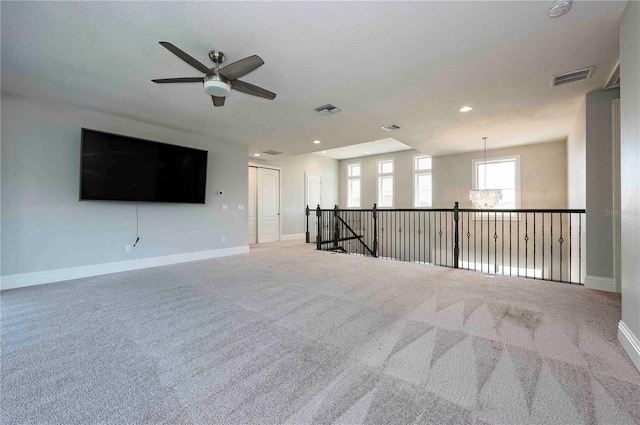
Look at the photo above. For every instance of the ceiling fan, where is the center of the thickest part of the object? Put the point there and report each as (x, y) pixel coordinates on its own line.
(219, 82)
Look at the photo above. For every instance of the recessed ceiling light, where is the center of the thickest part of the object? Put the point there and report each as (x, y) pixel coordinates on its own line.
(316, 142)
(324, 151)
(256, 154)
(466, 109)
(367, 152)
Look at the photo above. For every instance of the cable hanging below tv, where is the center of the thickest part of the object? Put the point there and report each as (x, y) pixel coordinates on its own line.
(121, 168)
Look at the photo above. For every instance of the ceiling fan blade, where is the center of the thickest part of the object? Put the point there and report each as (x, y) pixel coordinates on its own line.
(218, 101)
(252, 90)
(241, 67)
(179, 80)
(185, 57)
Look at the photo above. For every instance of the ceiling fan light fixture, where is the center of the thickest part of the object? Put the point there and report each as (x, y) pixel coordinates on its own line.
(217, 88)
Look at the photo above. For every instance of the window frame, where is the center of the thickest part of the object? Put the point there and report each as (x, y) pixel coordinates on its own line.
(380, 176)
(349, 180)
(518, 182)
(417, 173)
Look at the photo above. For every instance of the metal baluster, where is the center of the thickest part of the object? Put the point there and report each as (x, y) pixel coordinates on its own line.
(475, 242)
(481, 240)
(570, 246)
(414, 236)
(469, 240)
(526, 244)
(462, 240)
(561, 240)
(430, 250)
(502, 251)
(518, 255)
(551, 243)
(446, 238)
(580, 249)
(495, 243)
(534, 245)
(440, 233)
(510, 244)
(542, 246)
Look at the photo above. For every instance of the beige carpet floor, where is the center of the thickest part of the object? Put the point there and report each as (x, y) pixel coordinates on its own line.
(290, 335)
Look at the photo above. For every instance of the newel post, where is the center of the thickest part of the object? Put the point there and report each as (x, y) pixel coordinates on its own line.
(456, 247)
(336, 227)
(375, 230)
(319, 223)
(306, 211)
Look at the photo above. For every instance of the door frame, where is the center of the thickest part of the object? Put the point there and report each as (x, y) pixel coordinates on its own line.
(253, 164)
(616, 190)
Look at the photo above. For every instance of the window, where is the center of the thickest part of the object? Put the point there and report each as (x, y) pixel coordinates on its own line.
(385, 183)
(353, 185)
(422, 186)
(499, 173)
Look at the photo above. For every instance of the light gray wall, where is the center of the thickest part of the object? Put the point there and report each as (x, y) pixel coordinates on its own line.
(577, 160)
(599, 183)
(630, 164)
(45, 226)
(543, 169)
(292, 177)
(403, 178)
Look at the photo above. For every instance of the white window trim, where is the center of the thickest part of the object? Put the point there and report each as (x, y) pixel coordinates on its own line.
(354, 178)
(417, 172)
(474, 174)
(392, 175)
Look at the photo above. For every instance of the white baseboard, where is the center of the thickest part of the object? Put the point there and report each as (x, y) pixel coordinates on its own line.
(630, 343)
(600, 283)
(293, 237)
(58, 275)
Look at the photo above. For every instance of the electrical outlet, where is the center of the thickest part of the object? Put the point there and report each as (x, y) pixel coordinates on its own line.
(224, 239)
(225, 207)
(127, 248)
(240, 206)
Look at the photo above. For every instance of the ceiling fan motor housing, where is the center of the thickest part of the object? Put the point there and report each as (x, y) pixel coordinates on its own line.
(216, 85)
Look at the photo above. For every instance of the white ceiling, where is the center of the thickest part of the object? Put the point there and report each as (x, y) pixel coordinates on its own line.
(413, 64)
(376, 147)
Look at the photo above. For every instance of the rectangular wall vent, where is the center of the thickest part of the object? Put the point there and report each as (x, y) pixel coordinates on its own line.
(569, 77)
(391, 127)
(272, 152)
(327, 109)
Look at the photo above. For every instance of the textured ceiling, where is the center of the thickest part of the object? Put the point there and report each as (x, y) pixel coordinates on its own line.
(413, 64)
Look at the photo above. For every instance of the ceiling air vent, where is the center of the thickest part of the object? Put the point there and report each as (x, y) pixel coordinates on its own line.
(272, 152)
(391, 127)
(569, 77)
(327, 109)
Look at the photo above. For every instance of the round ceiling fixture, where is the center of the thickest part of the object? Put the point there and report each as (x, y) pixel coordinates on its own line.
(466, 109)
(214, 85)
(560, 7)
(316, 142)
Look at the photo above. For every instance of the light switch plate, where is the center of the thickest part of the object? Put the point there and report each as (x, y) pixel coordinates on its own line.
(240, 206)
(225, 206)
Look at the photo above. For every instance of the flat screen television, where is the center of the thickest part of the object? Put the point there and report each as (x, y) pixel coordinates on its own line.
(121, 168)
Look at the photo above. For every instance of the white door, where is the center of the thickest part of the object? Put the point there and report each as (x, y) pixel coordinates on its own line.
(253, 205)
(313, 199)
(268, 205)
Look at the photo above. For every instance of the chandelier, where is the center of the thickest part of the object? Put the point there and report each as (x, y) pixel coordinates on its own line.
(485, 198)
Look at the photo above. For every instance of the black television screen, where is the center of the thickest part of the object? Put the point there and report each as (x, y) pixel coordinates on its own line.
(121, 168)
